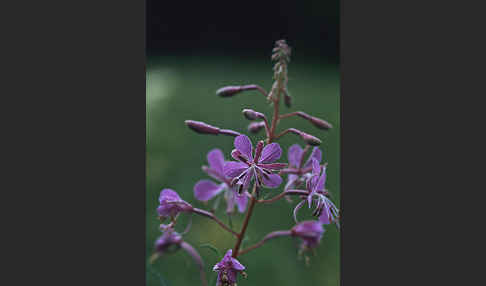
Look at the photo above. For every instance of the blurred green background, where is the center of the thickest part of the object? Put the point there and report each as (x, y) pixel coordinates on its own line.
(180, 88)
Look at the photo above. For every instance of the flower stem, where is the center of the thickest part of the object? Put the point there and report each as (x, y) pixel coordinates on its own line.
(241, 235)
(253, 200)
(269, 236)
(274, 119)
(283, 194)
(213, 217)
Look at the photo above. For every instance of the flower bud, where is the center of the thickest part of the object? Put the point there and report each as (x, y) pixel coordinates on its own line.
(320, 123)
(201, 127)
(255, 127)
(228, 91)
(229, 132)
(251, 114)
(309, 139)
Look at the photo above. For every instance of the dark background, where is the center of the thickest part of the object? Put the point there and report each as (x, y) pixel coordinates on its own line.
(75, 80)
(242, 28)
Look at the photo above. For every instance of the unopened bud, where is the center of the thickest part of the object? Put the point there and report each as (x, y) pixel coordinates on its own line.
(201, 127)
(229, 132)
(228, 91)
(320, 123)
(309, 139)
(251, 114)
(255, 127)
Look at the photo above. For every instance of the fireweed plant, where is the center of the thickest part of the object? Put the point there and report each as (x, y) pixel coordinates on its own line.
(253, 169)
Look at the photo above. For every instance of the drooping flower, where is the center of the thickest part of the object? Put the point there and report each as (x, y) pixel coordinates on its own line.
(325, 209)
(171, 204)
(310, 232)
(300, 172)
(259, 167)
(227, 269)
(169, 242)
(204, 190)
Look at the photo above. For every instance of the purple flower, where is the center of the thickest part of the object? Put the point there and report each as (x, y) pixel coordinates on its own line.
(169, 242)
(205, 190)
(260, 166)
(325, 209)
(171, 204)
(227, 270)
(301, 172)
(310, 232)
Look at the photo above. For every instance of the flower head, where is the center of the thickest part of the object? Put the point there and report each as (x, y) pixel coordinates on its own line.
(205, 190)
(325, 209)
(259, 166)
(171, 204)
(227, 270)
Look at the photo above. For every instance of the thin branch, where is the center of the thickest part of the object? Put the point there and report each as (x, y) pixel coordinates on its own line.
(269, 236)
(292, 130)
(283, 194)
(213, 217)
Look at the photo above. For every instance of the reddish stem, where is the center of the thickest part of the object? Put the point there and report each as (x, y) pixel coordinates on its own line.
(283, 194)
(269, 236)
(213, 217)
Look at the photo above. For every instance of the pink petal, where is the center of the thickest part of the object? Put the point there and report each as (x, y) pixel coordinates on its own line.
(243, 144)
(325, 216)
(169, 194)
(205, 190)
(322, 180)
(316, 168)
(216, 160)
(291, 181)
(271, 153)
(295, 155)
(247, 179)
(237, 265)
(316, 154)
(233, 169)
(229, 196)
(272, 180)
(241, 201)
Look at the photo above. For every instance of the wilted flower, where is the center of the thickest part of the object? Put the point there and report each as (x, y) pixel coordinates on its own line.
(171, 204)
(310, 232)
(205, 190)
(227, 269)
(169, 242)
(260, 166)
